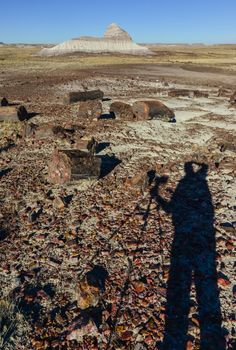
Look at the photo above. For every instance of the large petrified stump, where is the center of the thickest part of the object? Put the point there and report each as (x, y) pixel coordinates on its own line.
(121, 110)
(90, 109)
(144, 110)
(78, 96)
(11, 113)
(72, 165)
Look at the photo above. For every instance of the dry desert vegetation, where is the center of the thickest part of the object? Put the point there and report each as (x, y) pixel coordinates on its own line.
(117, 221)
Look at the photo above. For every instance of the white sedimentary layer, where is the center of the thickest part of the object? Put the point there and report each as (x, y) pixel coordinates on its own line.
(114, 40)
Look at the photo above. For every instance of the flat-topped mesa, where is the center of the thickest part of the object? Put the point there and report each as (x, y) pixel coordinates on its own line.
(115, 40)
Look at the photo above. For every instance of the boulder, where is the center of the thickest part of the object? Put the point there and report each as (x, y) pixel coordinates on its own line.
(144, 110)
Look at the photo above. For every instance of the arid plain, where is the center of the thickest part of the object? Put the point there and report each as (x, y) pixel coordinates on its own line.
(89, 264)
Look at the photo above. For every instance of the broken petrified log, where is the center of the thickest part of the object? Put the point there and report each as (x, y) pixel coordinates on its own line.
(144, 110)
(4, 102)
(78, 96)
(122, 110)
(222, 92)
(179, 92)
(11, 113)
(87, 144)
(187, 93)
(72, 165)
(90, 109)
(45, 131)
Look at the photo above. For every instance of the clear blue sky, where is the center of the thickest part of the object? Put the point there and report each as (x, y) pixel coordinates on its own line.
(53, 21)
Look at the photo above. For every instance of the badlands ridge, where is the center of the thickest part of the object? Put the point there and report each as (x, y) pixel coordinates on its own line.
(115, 40)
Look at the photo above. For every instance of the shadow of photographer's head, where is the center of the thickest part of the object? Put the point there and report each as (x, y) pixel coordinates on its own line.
(195, 168)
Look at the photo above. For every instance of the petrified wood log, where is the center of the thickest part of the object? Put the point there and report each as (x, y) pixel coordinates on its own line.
(72, 165)
(198, 93)
(87, 144)
(45, 131)
(77, 96)
(4, 102)
(121, 110)
(180, 92)
(90, 109)
(11, 113)
(144, 110)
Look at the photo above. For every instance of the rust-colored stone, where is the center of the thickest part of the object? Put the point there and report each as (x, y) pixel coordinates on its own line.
(144, 110)
(90, 109)
(72, 165)
(122, 110)
(87, 144)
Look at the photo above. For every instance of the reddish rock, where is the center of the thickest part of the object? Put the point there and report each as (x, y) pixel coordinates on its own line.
(223, 282)
(90, 109)
(87, 144)
(144, 110)
(122, 110)
(72, 165)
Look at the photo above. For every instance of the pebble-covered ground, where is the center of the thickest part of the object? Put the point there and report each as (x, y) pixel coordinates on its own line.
(144, 257)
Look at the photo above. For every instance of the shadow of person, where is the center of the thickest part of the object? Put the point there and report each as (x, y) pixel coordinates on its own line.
(192, 258)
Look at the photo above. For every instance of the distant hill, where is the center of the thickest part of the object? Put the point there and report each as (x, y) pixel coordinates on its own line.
(114, 40)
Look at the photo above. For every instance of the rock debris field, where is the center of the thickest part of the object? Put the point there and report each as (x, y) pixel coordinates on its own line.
(132, 247)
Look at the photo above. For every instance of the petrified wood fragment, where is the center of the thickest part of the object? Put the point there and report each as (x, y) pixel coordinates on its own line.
(72, 165)
(87, 144)
(122, 110)
(90, 109)
(144, 110)
(78, 96)
(45, 131)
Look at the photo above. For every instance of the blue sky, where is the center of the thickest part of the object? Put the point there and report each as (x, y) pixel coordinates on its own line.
(53, 21)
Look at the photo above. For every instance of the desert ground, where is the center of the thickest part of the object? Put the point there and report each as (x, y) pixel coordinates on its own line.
(98, 263)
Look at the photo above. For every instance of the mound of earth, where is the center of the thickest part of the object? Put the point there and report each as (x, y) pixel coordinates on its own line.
(115, 40)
